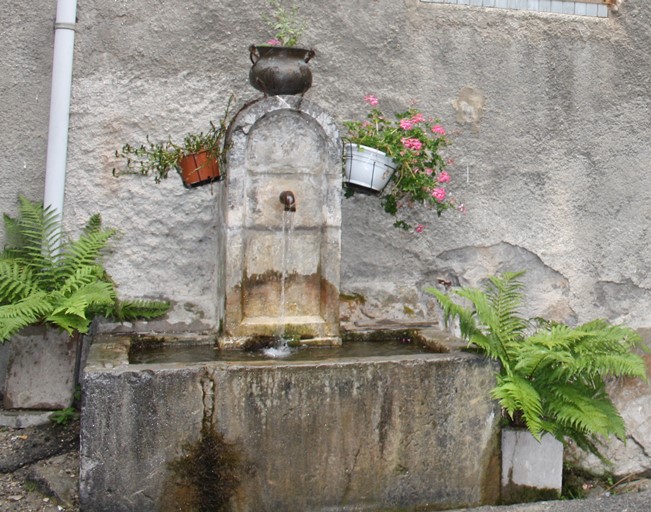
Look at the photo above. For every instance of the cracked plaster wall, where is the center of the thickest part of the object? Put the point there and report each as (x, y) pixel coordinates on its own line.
(549, 115)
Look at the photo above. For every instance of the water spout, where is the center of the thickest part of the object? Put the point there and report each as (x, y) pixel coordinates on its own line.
(288, 199)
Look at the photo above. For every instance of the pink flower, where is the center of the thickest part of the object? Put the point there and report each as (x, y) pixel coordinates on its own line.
(420, 228)
(462, 208)
(438, 194)
(438, 129)
(274, 42)
(371, 100)
(406, 124)
(418, 118)
(412, 143)
(443, 177)
(429, 171)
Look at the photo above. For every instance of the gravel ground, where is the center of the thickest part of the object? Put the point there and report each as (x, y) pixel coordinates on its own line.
(39, 468)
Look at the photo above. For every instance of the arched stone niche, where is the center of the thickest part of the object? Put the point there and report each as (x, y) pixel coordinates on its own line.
(282, 267)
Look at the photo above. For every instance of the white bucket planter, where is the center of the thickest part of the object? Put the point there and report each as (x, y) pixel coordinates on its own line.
(367, 167)
(531, 470)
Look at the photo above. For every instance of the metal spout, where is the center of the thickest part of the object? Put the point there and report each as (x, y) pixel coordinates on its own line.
(288, 199)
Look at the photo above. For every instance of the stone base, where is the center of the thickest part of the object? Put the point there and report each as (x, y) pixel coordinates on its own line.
(40, 370)
(531, 470)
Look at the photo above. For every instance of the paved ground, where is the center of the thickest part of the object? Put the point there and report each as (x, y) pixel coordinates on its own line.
(628, 502)
(39, 468)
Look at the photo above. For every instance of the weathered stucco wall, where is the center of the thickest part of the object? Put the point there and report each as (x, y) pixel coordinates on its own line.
(550, 115)
(26, 38)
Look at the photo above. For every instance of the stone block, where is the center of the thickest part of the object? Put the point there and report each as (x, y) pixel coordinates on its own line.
(531, 469)
(40, 370)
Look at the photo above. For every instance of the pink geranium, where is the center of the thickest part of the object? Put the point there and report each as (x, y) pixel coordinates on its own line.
(438, 129)
(371, 100)
(274, 42)
(415, 142)
(406, 124)
(412, 143)
(443, 177)
(439, 194)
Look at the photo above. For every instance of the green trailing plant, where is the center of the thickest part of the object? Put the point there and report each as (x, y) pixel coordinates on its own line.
(284, 23)
(551, 376)
(159, 158)
(46, 278)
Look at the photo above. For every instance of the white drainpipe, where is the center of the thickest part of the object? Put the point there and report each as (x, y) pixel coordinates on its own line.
(57, 141)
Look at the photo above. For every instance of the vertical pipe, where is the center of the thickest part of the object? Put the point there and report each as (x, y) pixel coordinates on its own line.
(57, 143)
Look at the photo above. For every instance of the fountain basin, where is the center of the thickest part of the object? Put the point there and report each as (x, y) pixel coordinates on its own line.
(372, 433)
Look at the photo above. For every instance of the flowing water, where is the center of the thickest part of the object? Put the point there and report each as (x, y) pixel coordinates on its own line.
(281, 349)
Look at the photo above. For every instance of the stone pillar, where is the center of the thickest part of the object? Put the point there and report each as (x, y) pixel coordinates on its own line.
(283, 266)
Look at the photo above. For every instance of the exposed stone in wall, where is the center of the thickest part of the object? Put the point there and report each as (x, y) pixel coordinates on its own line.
(546, 290)
(623, 301)
(469, 106)
(632, 397)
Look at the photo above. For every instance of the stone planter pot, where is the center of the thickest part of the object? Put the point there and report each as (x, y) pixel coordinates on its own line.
(199, 169)
(367, 167)
(41, 369)
(531, 470)
(280, 70)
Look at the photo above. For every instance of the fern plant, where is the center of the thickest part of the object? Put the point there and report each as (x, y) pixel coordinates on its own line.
(47, 279)
(551, 376)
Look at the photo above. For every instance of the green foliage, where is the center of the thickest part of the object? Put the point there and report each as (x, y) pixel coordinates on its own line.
(415, 143)
(552, 375)
(159, 158)
(63, 416)
(284, 23)
(46, 278)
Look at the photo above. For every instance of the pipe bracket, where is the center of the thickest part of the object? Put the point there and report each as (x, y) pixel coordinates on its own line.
(67, 26)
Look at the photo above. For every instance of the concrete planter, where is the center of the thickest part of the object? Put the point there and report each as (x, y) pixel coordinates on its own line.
(531, 470)
(41, 368)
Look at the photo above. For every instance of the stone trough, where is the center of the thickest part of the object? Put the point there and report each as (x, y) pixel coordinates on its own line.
(374, 433)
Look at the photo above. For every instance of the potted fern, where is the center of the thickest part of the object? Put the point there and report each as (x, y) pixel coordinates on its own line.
(51, 289)
(551, 380)
(198, 159)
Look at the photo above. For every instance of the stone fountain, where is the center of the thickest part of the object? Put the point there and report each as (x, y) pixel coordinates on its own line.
(373, 433)
(283, 223)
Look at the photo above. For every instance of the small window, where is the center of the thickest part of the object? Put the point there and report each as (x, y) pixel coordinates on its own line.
(597, 8)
